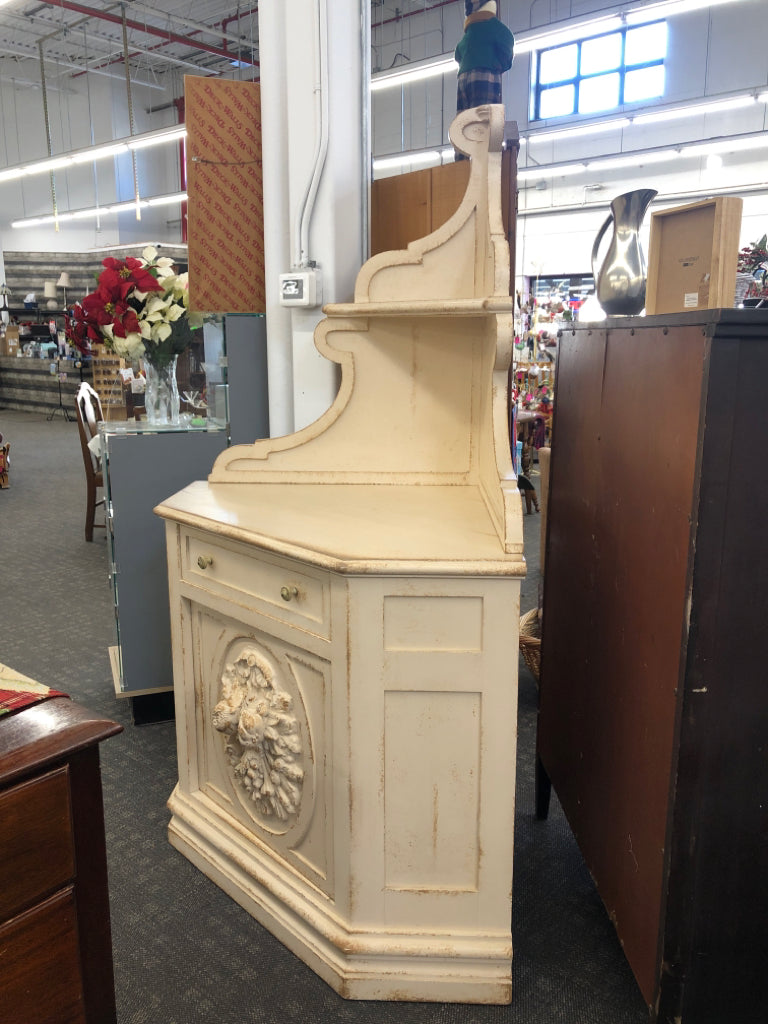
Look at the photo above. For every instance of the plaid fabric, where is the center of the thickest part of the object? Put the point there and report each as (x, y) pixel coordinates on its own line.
(475, 88)
(18, 691)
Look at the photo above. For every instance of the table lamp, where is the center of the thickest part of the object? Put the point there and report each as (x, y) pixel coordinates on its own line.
(49, 291)
(64, 283)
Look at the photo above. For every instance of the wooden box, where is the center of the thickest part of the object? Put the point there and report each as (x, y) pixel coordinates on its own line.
(9, 342)
(692, 256)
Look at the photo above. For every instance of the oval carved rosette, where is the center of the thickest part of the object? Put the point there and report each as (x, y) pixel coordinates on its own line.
(262, 735)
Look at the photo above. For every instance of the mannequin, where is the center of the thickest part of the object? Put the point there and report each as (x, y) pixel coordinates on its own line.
(483, 54)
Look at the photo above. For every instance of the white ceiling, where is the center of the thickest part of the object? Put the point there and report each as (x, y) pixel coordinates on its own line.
(74, 36)
(188, 36)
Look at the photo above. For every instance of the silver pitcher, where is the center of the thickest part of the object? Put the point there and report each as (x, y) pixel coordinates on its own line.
(620, 284)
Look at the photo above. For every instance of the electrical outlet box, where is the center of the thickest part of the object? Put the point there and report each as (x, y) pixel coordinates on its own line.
(301, 288)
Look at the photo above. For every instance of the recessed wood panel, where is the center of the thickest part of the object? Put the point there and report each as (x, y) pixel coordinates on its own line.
(431, 790)
(433, 623)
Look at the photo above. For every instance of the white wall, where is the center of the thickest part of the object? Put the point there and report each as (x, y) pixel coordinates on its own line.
(714, 52)
(84, 111)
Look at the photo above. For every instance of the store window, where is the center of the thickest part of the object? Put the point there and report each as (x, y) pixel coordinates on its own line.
(600, 73)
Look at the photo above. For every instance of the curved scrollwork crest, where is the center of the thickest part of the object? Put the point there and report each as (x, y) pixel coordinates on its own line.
(262, 735)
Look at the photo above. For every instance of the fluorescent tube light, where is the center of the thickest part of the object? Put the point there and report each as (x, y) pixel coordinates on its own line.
(581, 129)
(98, 153)
(51, 164)
(543, 39)
(540, 39)
(551, 171)
(641, 157)
(651, 117)
(144, 141)
(97, 211)
(137, 246)
(179, 197)
(632, 160)
(103, 211)
(733, 145)
(130, 204)
(669, 8)
(90, 153)
(694, 110)
(410, 159)
(409, 73)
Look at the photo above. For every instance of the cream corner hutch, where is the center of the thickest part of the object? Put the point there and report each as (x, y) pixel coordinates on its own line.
(344, 606)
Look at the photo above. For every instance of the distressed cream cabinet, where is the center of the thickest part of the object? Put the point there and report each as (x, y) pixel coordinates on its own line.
(345, 603)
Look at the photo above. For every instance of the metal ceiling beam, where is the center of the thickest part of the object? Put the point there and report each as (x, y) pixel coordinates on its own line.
(169, 37)
(198, 26)
(59, 62)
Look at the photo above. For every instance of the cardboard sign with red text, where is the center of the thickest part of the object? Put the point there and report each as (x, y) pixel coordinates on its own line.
(225, 205)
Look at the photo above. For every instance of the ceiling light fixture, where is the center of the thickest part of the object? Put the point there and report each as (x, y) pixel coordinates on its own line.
(616, 124)
(640, 158)
(413, 72)
(99, 211)
(540, 40)
(159, 137)
(732, 145)
(694, 110)
(651, 117)
(670, 8)
(430, 156)
(553, 171)
(97, 153)
(137, 246)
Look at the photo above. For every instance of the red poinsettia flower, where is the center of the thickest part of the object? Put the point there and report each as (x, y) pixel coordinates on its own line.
(82, 328)
(125, 321)
(121, 277)
(99, 306)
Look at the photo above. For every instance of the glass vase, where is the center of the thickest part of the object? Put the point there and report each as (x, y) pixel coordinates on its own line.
(743, 283)
(161, 397)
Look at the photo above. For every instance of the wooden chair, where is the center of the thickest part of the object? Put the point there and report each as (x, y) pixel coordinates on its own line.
(89, 415)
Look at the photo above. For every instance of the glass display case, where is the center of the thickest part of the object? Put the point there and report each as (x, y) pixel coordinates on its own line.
(142, 465)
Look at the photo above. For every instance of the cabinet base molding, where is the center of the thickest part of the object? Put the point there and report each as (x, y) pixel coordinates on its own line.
(373, 964)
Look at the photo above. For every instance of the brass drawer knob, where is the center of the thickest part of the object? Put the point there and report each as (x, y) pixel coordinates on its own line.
(287, 593)
(204, 561)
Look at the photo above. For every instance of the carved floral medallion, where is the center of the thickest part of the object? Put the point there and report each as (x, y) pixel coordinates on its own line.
(263, 743)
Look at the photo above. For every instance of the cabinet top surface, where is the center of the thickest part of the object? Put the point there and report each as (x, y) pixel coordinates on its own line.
(354, 528)
(726, 320)
(46, 733)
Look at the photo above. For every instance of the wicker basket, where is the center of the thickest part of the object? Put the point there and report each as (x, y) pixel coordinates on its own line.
(530, 641)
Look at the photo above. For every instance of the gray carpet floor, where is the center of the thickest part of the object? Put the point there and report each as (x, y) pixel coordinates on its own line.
(184, 952)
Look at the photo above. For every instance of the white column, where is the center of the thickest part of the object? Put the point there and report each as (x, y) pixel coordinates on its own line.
(302, 384)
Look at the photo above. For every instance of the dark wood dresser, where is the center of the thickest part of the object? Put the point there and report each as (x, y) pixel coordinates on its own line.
(653, 724)
(55, 938)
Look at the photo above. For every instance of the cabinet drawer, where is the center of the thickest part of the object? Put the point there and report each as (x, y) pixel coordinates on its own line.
(284, 589)
(36, 849)
(42, 977)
